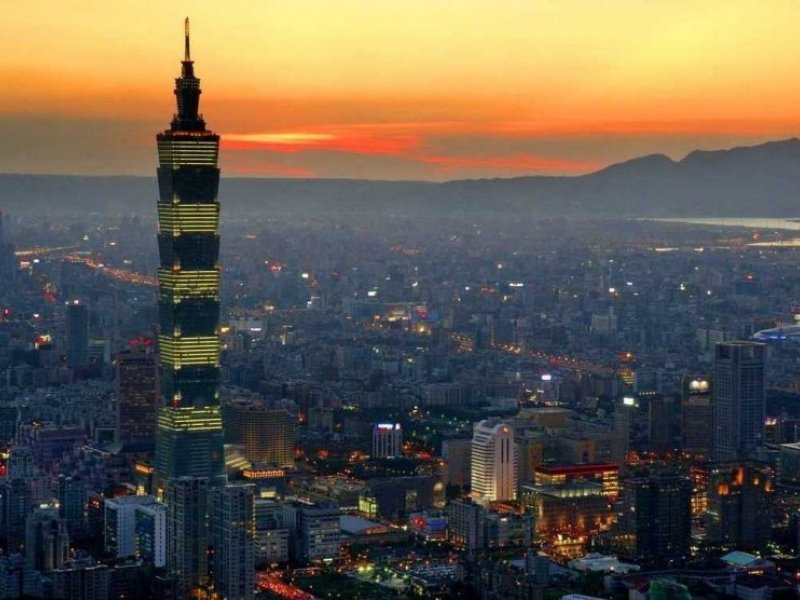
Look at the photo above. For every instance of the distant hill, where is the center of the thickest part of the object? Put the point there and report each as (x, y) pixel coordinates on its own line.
(759, 181)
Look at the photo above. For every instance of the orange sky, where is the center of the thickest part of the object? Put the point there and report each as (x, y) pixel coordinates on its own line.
(397, 89)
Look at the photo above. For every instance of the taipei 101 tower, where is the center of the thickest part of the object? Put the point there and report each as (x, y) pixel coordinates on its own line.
(189, 441)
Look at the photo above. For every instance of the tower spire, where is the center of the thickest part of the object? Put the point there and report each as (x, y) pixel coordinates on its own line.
(187, 53)
(187, 91)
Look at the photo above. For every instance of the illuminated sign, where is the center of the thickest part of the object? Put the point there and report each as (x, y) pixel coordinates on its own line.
(698, 386)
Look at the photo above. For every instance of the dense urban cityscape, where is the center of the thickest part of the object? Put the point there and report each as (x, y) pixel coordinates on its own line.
(373, 405)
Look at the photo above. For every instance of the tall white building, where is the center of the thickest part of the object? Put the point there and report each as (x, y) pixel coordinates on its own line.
(494, 462)
(120, 523)
(387, 440)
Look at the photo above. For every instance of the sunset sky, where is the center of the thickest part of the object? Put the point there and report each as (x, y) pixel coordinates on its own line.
(397, 89)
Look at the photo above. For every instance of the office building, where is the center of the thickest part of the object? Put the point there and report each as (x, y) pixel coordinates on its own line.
(189, 440)
(696, 414)
(663, 422)
(15, 501)
(655, 522)
(265, 435)
(72, 503)
(387, 440)
(232, 523)
(314, 531)
(187, 532)
(739, 505)
(77, 335)
(151, 533)
(465, 524)
(137, 395)
(272, 535)
(120, 524)
(494, 462)
(457, 453)
(46, 540)
(739, 400)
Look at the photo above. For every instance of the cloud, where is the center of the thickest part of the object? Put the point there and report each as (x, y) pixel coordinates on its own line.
(424, 144)
(351, 140)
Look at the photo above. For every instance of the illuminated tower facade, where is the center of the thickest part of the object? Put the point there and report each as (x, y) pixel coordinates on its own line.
(189, 438)
(494, 462)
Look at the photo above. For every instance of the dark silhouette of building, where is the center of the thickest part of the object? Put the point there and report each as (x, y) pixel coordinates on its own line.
(739, 400)
(233, 539)
(189, 435)
(696, 414)
(655, 523)
(77, 335)
(187, 533)
(739, 503)
(137, 394)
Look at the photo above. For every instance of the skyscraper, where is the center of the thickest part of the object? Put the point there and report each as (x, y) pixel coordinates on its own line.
(739, 505)
(77, 335)
(137, 395)
(655, 522)
(696, 414)
(189, 439)
(494, 462)
(739, 400)
(233, 540)
(187, 532)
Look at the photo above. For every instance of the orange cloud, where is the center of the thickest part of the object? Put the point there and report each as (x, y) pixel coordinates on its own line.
(401, 140)
(344, 140)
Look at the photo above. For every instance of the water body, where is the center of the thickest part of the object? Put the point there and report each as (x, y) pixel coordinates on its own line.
(792, 224)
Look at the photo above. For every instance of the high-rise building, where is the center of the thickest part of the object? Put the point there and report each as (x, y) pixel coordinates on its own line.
(266, 435)
(739, 400)
(187, 532)
(72, 503)
(465, 524)
(457, 453)
(655, 522)
(77, 335)
(662, 422)
(120, 524)
(137, 394)
(233, 539)
(494, 462)
(189, 440)
(696, 414)
(151, 533)
(739, 504)
(46, 540)
(15, 503)
(387, 440)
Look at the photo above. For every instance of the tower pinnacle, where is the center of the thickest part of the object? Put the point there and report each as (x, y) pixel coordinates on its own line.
(187, 53)
(187, 91)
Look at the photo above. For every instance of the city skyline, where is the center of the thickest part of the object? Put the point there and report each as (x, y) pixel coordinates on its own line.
(409, 90)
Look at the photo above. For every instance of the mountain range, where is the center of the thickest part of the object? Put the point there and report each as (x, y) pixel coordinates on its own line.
(752, 181)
